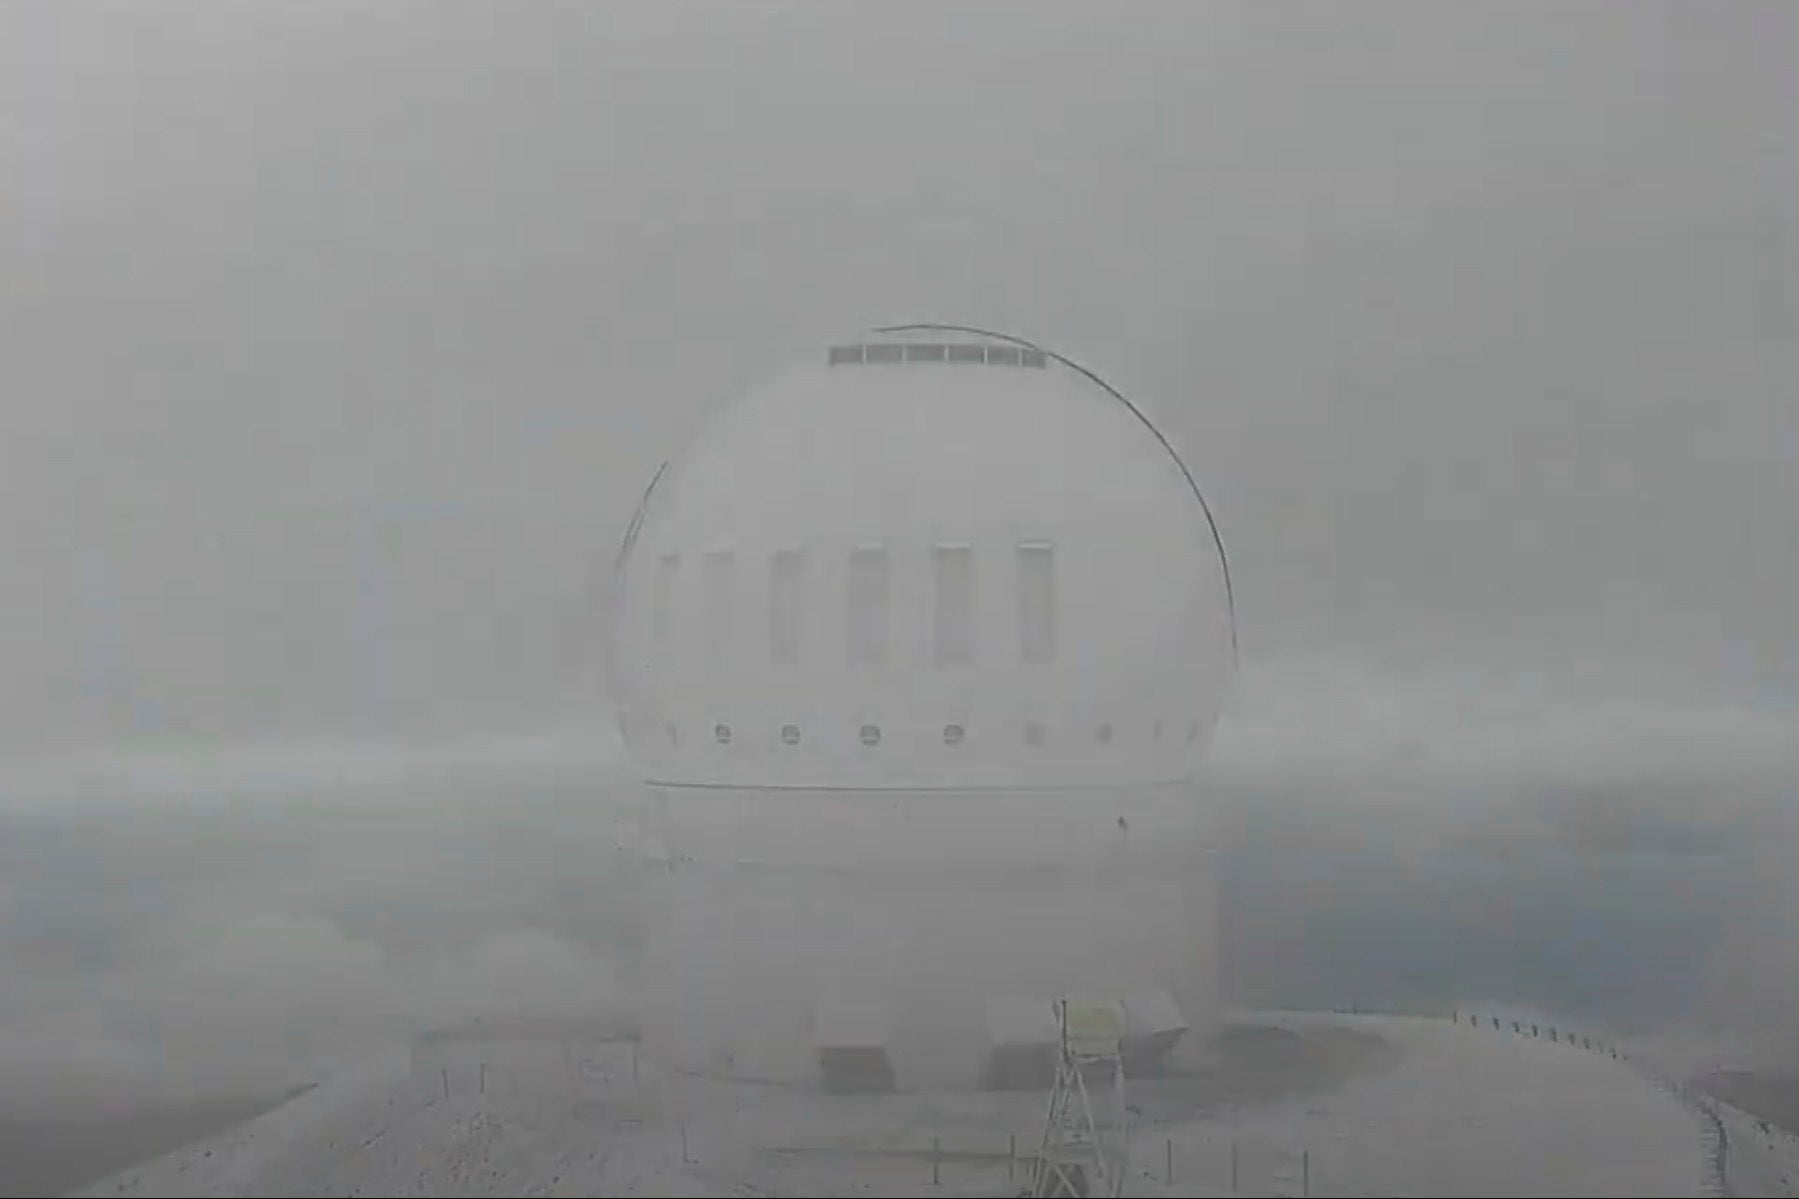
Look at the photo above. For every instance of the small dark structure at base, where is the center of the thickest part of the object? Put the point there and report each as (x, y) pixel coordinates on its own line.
(850, 1041)
(1022, 1042)
(856, 1070)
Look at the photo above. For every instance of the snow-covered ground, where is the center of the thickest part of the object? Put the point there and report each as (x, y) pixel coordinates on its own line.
(1463, 1110)
(1761, 1160)
(1433, 1108)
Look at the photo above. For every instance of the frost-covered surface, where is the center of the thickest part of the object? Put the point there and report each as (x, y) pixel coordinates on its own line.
(489, 1116)
(1435, 1108)
(1463, 1110)
(1760, 1159)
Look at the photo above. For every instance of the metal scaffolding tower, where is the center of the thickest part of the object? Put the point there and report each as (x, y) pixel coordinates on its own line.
(1085, 1135)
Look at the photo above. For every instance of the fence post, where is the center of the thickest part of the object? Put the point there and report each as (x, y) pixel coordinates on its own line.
(1170, 1162)
(936, 1157)
(446, 1074)
(482, 1087)
(1305, 1171)
(1233, 1166)
(685, 1160)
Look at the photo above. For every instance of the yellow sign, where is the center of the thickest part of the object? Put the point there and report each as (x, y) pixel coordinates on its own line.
(1092, 1028)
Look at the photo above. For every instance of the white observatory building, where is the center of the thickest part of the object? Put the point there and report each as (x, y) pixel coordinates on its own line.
(916, 649)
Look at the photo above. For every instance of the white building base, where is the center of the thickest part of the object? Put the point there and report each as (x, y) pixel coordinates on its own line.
(760, 905)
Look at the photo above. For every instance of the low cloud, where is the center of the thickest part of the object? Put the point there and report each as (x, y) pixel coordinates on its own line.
(270, 1000)
(184, 772)
(1345, 718)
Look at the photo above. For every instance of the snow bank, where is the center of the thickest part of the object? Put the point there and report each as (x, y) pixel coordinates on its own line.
(1760, 1160)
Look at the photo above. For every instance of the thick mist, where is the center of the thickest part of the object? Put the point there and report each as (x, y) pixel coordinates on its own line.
(338, 342)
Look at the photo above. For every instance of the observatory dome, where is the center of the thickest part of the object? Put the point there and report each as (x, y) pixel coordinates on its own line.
(927, 558)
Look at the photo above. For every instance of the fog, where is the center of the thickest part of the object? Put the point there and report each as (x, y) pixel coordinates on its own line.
(338, 341)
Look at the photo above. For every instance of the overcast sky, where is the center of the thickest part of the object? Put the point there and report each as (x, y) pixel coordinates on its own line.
(337, 340)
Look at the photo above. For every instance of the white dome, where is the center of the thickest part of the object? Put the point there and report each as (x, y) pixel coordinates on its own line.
(929, 558)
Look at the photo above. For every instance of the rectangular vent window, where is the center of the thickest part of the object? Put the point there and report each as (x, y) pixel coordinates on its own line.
(786, 606)
(866, 606)
(720, 582)
(885, 352)
(662, 598)
(953, 623)
(1036, 602)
